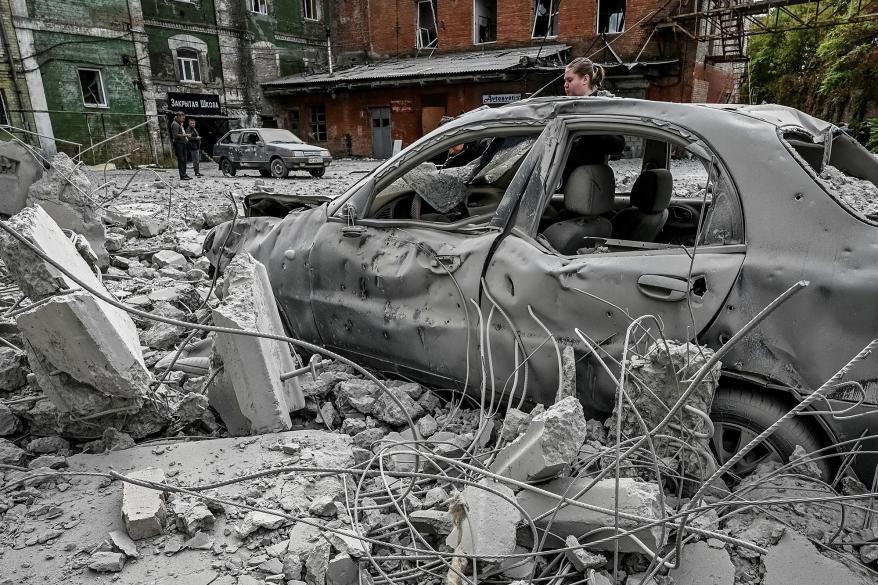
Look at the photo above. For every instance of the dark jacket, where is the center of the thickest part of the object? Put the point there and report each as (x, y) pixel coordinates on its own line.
(178, 135)
(194, 142)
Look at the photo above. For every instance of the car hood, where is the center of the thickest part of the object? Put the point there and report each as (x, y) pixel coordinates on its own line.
(306, 148)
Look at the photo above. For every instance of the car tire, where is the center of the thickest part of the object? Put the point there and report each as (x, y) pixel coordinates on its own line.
(317, 173)
(227, 168)
(278, 169)
(265, 172)
(741, 414)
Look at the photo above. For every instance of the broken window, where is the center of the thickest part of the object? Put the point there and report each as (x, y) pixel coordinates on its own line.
(311, 9)
(545, 18)
(318, 123)
(4, 113)
(92, 85)
(258, 6)
(427, 36)
(190, 68)
(484, 21)
(611, 16)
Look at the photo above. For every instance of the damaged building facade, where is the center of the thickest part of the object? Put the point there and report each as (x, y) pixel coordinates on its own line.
(78, 72)
(410, 63)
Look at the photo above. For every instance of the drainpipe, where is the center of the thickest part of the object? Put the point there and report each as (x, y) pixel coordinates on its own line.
(329, 49)
(18, 94)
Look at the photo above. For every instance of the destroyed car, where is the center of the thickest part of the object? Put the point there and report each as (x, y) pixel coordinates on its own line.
(274, 152)
(552, 235)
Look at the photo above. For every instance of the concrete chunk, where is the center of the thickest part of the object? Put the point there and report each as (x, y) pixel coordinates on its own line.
(106, 562)
(434, 522)
(254, 365)
(795, 560)
(489, 527)
(143, 509)
(581, 559)
(20, 169)
(702, 565)
(550, 443)
(635, 497)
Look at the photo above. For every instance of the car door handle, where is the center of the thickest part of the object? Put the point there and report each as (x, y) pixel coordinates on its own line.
(663, 288)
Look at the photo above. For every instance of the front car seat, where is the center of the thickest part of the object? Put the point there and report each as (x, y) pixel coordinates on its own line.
(650, 197)
(589, 192)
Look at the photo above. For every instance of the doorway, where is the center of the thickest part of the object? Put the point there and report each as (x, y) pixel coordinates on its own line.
(381, 141)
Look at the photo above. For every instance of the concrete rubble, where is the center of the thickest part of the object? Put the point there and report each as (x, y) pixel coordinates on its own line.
(318, 479)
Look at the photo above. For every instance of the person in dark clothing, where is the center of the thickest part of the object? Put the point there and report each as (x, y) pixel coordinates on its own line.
(179, 140)
(194, 144)
(864, 134)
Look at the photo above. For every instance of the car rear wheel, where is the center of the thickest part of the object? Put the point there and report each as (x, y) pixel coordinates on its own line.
(317, 173)
(264, 173)
(227, 168)
(278, 169)
(740, 414)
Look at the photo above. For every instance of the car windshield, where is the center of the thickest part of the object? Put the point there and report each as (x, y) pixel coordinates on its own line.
(278, 135)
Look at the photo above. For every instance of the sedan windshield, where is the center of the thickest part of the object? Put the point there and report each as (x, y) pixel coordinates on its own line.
(278, 135)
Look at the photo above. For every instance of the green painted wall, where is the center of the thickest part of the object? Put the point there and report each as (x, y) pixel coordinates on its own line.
(163, 61)
(104, 13)
(199, 12)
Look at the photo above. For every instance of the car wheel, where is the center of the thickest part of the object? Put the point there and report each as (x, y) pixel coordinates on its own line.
(317, 173)
(227, 168)
(264, 173)
(740, 415)
(278, 169)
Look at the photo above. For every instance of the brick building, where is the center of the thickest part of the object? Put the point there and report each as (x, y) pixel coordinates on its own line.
(397, 66)
(14, 96)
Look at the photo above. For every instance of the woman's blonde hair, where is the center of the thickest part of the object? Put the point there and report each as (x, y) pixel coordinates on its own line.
(582, 66)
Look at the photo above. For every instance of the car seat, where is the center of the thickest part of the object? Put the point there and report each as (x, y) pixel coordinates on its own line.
(650, 197)
(589, 193)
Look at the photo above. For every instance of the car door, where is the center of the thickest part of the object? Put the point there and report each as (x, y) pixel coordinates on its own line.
(247, 149)
(400, 292)
(548, 296)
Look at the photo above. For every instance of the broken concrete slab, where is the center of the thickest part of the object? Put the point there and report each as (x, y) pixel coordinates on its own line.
(385, 409)
(143, 509)
(549, 445)
(581, 559)
(192, 515)
(10, 424)
(254, 365)
(12, 373)
(19, 169)
(106, 562)
(514, 423)
(317, 563)
(488, 528)
(701, 564)
(795, 560)
(222, 398)
(87, 359)
(64, 192)
(149, 226)
(635, 497)
(342, 570)
(10, 454)
(164, 258)
(431, 522)
(124, 543)
(253, 521)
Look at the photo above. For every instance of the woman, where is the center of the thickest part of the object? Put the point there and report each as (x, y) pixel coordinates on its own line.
(584, 78)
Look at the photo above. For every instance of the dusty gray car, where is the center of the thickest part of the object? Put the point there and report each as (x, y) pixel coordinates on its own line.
(575, 214)
(274, 152)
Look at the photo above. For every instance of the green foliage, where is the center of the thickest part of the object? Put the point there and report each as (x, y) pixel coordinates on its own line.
(830, 72)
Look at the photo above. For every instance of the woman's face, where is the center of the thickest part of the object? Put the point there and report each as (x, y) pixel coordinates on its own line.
(575, 84)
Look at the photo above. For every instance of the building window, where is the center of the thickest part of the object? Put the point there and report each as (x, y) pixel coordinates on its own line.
(545, 19)
(92, 85)
(4, 113)
(484, 21)
(258, 6)
(190, 69)
(611, 16)
(427, 36)
(318, 123)
(311, 9)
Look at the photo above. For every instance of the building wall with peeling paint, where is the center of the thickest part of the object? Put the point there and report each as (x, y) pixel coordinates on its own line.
(13, 89)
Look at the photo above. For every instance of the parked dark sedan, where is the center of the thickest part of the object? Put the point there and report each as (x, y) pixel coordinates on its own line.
(274, 152)
(585, 213)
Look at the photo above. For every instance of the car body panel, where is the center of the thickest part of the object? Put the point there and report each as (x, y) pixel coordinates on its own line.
(248, 155)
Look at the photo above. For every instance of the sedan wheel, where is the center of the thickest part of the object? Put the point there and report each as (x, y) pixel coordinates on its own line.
(317, 173)
(227, 168)
(740, 415)
(278, 169)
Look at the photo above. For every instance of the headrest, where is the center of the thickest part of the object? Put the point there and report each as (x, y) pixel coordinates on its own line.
(590, 190)
(652, 190)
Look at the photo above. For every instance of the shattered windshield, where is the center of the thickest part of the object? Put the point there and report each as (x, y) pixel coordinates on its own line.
(843, 168)
(277, 135)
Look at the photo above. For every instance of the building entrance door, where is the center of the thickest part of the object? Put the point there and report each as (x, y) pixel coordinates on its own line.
(380, 132)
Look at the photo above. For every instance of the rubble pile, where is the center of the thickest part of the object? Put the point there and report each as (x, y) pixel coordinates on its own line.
(150, 451)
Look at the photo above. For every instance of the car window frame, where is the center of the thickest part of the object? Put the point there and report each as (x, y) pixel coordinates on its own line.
(245, 133)
(231, 134)
(566, 126)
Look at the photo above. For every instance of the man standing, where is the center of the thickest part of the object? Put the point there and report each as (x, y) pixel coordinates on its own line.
(194, 146)
(179, 139)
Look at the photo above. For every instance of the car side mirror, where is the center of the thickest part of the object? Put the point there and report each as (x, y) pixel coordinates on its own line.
(259, 143)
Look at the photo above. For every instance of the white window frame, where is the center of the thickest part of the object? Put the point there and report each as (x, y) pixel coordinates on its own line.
(476, 40)
(101, 87)
(418, 28)
(258, 6)
(553, 20)
(190, 67)
(597, 19)
(311, 10)
(4, 111)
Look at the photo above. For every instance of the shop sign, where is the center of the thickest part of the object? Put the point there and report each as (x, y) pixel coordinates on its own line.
(194, 104)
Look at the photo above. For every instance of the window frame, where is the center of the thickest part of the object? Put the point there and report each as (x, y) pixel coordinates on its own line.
(4, 110)
(105, 103)
(435, 10)
(183, 61)
(313, 7)
(476, 16)
(258, 7)
(315, 122)
(552, 21)
(597, 19)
